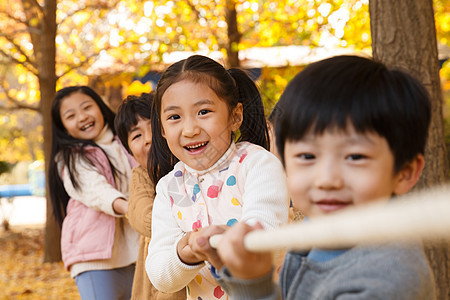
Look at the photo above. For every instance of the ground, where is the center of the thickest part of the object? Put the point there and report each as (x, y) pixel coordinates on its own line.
(23, 275)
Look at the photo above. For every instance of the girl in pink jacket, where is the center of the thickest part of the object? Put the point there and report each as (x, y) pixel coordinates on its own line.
(88, 180)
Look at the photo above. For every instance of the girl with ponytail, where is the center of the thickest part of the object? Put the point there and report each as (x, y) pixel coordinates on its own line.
(211, 168)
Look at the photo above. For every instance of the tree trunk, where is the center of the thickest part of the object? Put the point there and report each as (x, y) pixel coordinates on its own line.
(403, 35)
(234, 37)
(47, 86)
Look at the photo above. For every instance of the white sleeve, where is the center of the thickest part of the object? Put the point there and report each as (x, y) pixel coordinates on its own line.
(266, 197)
(94, 190)
(164, 268)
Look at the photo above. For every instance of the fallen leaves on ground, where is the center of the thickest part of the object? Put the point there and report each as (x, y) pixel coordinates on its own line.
(23, 275)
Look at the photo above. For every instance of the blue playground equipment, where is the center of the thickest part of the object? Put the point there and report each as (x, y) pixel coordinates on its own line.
(34, 187)
(15, 190)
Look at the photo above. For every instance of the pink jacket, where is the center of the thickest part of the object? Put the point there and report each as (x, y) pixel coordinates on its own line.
(88, 234)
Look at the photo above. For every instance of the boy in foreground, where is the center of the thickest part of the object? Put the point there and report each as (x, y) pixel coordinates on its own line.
(350, 131)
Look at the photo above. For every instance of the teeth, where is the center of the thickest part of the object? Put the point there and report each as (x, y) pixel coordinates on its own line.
(87, 126)
(196, 146)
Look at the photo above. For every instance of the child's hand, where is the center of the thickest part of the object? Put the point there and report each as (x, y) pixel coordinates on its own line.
(199, 243)
(194, 247)
(120, 206)
(184, 251)
(240, 262)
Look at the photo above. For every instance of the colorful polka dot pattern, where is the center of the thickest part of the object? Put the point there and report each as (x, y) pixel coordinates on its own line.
(213, 191)
(195, 191)
(201, 200)
(231, 222)
(199, 279)
(231, 180)
(196, 225)
(218, 292)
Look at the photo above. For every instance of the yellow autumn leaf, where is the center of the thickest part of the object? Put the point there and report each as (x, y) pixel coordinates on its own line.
(137, 88)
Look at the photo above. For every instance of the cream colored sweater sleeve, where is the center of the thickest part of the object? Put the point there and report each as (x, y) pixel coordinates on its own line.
(96, 192)
(164, 268)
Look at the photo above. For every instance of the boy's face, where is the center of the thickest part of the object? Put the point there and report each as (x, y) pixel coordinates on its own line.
(140, 140)
(339, 169)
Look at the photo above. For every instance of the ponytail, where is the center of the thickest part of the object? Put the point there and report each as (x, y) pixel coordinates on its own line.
(233, 86)
(160, 159)
(253, 128)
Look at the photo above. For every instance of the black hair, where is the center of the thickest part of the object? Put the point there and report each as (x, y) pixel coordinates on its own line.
(70, 148)
(233, 86)
(129, 112)
(273, 114)
(271, 123)
(372, 97)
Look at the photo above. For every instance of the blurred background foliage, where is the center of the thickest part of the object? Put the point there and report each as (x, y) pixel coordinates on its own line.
(112, 45)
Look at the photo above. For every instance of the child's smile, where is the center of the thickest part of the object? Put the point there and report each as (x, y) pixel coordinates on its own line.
(330, 205)
(81, 116)
(195, 123)
(196, 148)
(337, 169)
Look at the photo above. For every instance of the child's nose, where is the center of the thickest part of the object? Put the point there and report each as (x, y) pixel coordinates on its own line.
(190, 127)
(82, 116)
(329, 175)
(148, 138)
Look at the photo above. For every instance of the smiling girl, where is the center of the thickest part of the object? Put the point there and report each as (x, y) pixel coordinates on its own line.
(205, 178)
(88, 180)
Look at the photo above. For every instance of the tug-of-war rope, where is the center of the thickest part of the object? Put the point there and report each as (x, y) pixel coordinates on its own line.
(422, 215)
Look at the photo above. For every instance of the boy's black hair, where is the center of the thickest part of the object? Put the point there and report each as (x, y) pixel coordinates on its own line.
(70, 148)
(273, 114)
(233, 86)
(129, 112)
(332, 92)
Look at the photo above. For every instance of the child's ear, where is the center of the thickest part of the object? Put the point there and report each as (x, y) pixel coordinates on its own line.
(408, 176)
(237, 116)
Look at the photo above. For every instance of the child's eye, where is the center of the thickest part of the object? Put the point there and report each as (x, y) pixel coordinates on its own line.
(203, 112)
(87, 107)
(173, 117)
(136, 136)
(354, 157)
(306, 156)
(70, 117)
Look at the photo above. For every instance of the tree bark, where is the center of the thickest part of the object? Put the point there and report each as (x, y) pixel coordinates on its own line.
(234, 36)
(404, 36)
(47, 85)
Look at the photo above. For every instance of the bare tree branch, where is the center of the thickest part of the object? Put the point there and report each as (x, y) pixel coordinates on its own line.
(19, 48)
(20, 21)
(16, 61)
(8, 15)
(20, 31)
(93, 55)
(16, 103)
(214, 32)
(37, 5)
(194, 9)
(87, 7)
(4, 108)
(71, 68)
